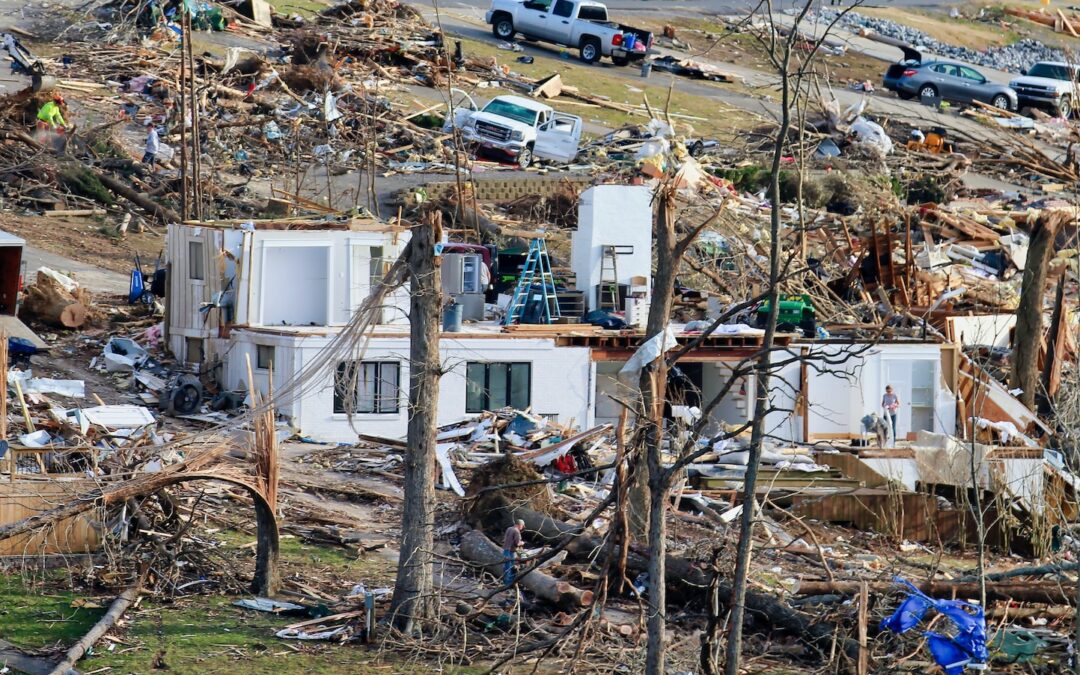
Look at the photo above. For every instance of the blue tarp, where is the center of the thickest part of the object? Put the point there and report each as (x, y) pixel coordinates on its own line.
(952, 653)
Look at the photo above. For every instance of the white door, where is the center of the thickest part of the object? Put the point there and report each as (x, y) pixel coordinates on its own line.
(535, 19)
(898, 375)
(923, 377)
(558, 138)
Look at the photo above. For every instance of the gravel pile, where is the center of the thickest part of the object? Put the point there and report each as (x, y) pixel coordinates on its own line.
(1017, 57)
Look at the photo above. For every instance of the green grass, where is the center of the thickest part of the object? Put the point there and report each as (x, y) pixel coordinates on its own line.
(39, 615)
(305, 8)
(371, 567)
(206, 634)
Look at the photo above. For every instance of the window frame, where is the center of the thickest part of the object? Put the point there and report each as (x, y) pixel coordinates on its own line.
(260, 363)
(196, 261)
(485, 388)
(381, 404)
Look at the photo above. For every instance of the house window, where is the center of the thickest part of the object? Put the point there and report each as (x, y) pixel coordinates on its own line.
(491, 386)
(370, 387)
(264, 357)
(196, 269)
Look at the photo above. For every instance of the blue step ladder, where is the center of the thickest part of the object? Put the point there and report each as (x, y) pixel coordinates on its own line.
(536, 272)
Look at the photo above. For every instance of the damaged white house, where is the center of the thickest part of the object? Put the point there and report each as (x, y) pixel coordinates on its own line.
(278, 298)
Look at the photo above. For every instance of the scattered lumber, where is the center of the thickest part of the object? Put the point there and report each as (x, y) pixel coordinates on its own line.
(478, 549)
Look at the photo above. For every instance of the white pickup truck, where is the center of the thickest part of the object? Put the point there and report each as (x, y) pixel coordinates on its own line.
(522, 128)
(1048, 85)
(580, 24)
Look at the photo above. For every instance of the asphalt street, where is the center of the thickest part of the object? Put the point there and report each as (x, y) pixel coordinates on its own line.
(696, 6)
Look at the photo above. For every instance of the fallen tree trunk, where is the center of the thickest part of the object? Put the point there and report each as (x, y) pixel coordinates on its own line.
(79, 649)
(1052, 568)
(687, 583)
(1051, 592)
(477, 548)
(160, 212)
(49, 302)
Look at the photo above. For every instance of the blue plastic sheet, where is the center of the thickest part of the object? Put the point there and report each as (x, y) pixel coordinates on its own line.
(953, 653)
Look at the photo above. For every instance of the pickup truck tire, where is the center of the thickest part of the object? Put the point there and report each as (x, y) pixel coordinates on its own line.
(502, 26)
(525, 157)
(1065, 107)
(620, 60)
(590, 49)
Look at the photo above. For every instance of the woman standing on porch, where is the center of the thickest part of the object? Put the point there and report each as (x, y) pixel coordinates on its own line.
(890, 402)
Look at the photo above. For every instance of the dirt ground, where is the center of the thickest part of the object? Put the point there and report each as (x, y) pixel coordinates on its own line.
(89, 240)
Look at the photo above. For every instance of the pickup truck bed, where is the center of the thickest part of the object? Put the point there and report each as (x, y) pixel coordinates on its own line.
(580, 24)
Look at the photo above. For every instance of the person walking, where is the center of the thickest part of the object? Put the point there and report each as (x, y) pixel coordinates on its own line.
(153, 145)
(891, 402)
(511, 545)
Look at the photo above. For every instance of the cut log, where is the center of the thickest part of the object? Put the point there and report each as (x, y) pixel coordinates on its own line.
(79, 649)
(478, 549)
(49, 302)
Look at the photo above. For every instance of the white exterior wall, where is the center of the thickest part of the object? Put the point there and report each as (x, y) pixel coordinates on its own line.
(612, 215)
(323, 286)
(561, 380)
(839, 399)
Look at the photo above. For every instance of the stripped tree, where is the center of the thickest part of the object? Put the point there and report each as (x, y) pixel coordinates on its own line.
(413, 601)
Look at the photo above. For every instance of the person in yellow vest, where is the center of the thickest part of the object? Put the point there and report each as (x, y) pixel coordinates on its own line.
(51, 115)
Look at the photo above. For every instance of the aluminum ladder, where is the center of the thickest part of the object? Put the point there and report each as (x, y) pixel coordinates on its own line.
(537, 270)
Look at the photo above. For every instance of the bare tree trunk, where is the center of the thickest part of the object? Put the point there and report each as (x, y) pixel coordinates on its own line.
(1029, 313)
(653, 386)
(1050, 364)
(413, 601)
(659, 316)
(761, 394)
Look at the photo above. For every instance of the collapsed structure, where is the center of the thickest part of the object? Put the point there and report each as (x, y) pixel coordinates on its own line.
(285, 316)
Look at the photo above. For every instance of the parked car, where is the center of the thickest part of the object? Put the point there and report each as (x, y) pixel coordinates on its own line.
(522, 128)
(945, 80)
(1049, 85)
(579, 24)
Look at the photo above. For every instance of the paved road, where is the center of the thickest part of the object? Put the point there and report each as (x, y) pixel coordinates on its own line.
(692, 6)
(466, 24)
(96, 279)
